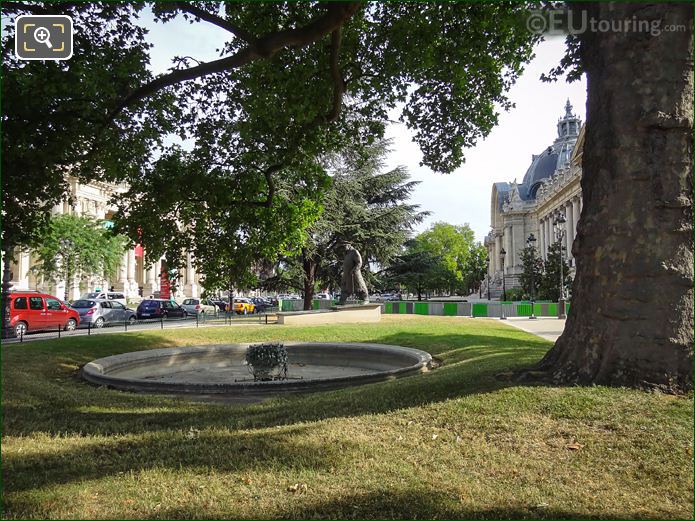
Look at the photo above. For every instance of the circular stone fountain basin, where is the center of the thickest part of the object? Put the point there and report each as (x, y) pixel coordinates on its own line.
(220, 369)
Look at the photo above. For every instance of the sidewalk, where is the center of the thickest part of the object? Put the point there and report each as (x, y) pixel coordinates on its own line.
(549, 328)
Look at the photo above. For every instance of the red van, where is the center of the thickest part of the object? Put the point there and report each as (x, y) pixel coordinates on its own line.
(32, 311)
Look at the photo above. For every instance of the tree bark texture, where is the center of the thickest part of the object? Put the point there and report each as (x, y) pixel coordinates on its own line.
(631, 319)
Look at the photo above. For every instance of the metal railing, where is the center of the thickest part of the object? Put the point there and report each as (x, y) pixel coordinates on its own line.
(218, 318)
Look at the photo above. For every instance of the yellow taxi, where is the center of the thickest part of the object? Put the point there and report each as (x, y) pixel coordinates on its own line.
(243, 306)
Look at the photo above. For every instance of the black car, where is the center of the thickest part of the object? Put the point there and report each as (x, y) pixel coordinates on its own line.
(160, 308)
(262, 305)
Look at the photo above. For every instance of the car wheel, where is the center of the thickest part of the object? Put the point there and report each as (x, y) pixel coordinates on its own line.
(20, 329)
(71, 325)
(131, 320)
(99, 323)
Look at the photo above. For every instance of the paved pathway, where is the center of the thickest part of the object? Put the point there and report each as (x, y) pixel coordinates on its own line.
(549, 328)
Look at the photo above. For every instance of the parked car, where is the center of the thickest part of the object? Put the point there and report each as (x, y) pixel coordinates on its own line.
(261, 305)
(324, 296)
(221, 304)
(33, 311)
(99, 313)
(160, 308)
(243, 306)
(105, 295)
(195, 306)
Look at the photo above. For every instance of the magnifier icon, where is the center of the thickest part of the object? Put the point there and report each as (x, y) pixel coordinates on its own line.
(43, 35)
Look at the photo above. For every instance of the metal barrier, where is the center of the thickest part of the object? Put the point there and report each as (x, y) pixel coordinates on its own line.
(473, 309)
(196, 320)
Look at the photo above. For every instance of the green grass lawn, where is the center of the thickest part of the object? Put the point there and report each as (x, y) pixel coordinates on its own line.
(452, 443)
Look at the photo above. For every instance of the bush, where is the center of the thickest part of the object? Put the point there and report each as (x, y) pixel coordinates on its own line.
(513, 294)
(267, 361)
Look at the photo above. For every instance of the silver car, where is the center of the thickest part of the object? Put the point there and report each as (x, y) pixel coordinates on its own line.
(196, 306)
(98, 313)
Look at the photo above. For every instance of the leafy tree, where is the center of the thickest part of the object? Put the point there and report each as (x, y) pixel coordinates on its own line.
(76, 247)
(297, 84)
(532, 272)
(634, 244)
(550, 282)
(414, 269)
(453, 246)
(475, 268)
(55, 118)
(365, 207)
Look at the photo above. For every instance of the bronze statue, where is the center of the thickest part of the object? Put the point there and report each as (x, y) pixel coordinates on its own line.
(352, 283)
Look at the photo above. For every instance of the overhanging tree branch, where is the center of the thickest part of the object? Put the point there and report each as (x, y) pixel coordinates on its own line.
(265, 47)
(215, 20)
(336, 76)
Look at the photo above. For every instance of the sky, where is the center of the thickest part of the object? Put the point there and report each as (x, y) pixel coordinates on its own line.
(462, 197)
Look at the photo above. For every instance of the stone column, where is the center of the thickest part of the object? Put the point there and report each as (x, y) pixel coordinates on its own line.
(132, 288)
(509, 257)
(569, 233)
(575, 214)
(498, 248)
(24, 265)
(191, 288)
(518, 244)
(149, 285)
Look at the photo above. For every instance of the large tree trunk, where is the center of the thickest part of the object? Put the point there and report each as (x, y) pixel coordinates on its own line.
(631, 321)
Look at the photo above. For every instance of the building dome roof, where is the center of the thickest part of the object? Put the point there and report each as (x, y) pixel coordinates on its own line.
(553, 158)
(542, 167)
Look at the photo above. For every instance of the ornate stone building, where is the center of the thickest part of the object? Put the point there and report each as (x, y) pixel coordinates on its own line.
(550, 188)
(133, 277)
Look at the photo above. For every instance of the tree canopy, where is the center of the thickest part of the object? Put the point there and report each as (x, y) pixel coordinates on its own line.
(365, 206)
(54, 113)
(77, 247)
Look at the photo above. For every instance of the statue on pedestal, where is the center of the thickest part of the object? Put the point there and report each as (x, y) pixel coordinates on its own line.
(352, 283)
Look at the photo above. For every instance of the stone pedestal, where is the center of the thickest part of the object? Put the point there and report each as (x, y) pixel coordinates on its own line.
(336, 315)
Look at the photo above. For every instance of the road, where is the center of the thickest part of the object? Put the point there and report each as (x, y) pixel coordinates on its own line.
(549, 328)
(171, 323)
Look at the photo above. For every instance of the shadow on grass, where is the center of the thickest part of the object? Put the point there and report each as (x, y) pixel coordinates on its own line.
(69, 405)
(223, 451)
(66, 404)
(420, 504)
(153, 431)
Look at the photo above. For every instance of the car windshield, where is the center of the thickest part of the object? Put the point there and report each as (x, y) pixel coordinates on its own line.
(83, 304)
(90, 295)
(149, 304)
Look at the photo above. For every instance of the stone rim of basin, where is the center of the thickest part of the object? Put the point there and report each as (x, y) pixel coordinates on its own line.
(101, 371)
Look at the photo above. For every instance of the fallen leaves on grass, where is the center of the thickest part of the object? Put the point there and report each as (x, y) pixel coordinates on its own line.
(574, 446)
(297, 488)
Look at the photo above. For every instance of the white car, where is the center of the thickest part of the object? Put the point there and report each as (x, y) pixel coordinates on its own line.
(105, 295)
(324, 296)
(195, 306)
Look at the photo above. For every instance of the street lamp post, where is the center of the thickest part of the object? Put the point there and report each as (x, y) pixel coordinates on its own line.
(503, 253)
(560, 223)
(487, 261)
(66, 245)
(531, 241)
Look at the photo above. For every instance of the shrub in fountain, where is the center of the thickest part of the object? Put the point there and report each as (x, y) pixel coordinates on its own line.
(267, 361)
